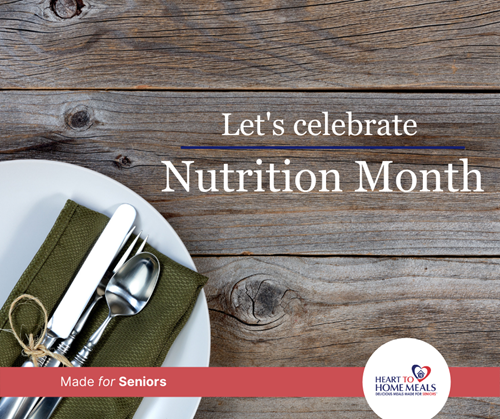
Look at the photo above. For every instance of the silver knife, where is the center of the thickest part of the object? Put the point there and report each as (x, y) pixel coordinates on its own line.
(78, 294)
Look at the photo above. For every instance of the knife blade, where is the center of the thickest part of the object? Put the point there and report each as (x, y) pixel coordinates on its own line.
(80, 291)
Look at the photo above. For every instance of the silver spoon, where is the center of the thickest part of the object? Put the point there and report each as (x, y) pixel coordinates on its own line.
(127, 293)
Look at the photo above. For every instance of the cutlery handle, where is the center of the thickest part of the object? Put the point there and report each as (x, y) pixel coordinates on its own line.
(47, 341)
(82, 356)
(16, 407)
(45, 408)
(47, 405)
(65, 345)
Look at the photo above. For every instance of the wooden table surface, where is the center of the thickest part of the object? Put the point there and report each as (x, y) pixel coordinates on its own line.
(316, 279)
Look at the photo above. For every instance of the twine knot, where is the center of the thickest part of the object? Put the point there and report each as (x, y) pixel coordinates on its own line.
(35, 349)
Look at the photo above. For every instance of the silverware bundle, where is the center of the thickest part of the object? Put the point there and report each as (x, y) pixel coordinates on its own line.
(127, 288)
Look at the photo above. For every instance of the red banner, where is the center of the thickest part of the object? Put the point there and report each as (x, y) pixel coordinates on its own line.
(216, 382)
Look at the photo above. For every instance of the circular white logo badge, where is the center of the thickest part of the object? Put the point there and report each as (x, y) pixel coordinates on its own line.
(406, 378)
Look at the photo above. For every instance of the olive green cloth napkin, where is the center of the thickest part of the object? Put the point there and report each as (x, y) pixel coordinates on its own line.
(137, 341)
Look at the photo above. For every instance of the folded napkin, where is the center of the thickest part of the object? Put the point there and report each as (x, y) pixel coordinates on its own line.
(142, 340)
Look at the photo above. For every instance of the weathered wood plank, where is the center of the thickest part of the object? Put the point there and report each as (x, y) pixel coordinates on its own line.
(290, 311)
(126, 135)
(307, 311)
(253, 44)
(322, 408)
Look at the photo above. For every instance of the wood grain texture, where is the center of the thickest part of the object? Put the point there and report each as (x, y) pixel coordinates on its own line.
(290, 311)
(126, 135)
(312, 312)
(322, 408)
(257, 44)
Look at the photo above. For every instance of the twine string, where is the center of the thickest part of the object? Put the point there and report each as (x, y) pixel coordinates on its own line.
(35, 349)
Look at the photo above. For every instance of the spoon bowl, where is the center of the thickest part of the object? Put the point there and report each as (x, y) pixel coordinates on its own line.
(130, 289)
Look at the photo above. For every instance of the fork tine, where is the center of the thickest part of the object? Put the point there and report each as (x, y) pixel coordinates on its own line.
(125, 240)
(126, 254)
(141, 247)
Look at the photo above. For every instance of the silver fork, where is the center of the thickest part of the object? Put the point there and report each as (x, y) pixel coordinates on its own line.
(64, 346)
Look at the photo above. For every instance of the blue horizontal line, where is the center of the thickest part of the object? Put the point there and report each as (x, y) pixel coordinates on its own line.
(279, 147)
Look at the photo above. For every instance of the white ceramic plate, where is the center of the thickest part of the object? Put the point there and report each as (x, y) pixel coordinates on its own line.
(33, 193)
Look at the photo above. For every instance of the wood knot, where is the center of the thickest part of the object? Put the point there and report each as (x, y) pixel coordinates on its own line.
(122, 162)
(66, 9)
(260, 300)
(80, 118)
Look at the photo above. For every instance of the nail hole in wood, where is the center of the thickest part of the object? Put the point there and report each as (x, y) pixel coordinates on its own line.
(66, 9)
